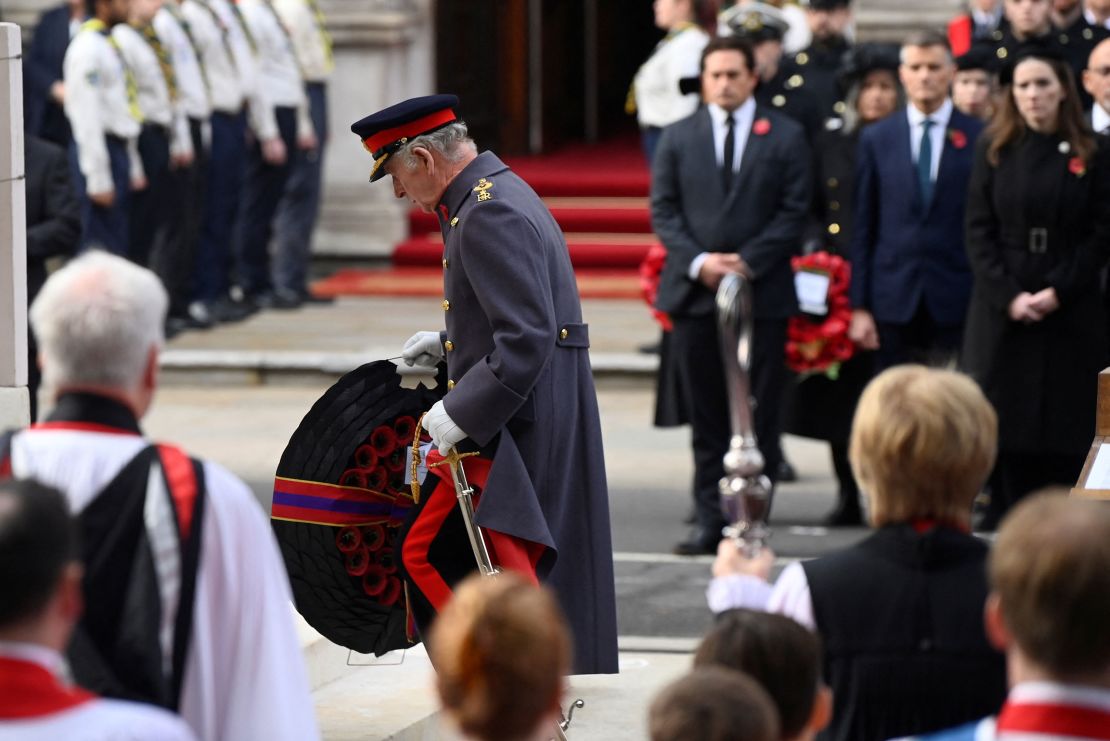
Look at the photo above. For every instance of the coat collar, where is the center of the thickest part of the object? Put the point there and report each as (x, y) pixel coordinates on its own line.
(484, 165)
(80, 410)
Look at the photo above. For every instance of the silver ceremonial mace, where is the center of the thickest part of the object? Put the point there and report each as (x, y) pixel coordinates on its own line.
(745, 491)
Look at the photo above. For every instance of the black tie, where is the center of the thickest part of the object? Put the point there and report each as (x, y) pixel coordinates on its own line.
(730, 145)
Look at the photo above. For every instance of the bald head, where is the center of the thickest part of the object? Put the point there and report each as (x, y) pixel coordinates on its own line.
(1096, 78)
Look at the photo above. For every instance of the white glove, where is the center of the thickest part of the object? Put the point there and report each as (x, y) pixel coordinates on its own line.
(423, 348)
(445, 433)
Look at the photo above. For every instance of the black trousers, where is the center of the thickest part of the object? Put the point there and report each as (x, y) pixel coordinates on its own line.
(701, 378)
(174, 259)
(153, 208)
(263, 187)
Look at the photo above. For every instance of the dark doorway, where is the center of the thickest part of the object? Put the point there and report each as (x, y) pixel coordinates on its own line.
(516, 100)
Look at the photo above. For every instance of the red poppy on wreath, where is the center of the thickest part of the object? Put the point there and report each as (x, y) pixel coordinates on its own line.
(761, 127)
(821, 344)
(1077, 167)
(958, 138)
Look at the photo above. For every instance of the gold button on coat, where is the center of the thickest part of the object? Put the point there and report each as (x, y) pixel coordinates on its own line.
(446, 305)
(455, 221)
(449, 345)
(450, 385)
(445, 263)
(833, 182)
(834, 205)
(563, 333)
(834, 228)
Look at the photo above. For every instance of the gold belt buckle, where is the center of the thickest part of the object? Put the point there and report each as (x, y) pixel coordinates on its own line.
(1038, 240)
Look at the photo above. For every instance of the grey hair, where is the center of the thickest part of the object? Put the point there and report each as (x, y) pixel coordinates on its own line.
(96, 320)
(851, 102)
(451, 141)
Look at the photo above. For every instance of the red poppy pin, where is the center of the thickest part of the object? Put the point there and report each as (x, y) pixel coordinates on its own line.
(1077, 167)
(958, 138)
(761, 127)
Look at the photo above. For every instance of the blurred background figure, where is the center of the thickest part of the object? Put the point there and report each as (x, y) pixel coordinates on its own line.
(43, 84)
(501, 648)
(983, 20)
(923, 443)
(815, 67)
(53, 230)
(764, 25)
(1096, 80)
(657, 99)
(712, 703)
(819, 406)
(975, 84)
(300, 204)
(1038, 235)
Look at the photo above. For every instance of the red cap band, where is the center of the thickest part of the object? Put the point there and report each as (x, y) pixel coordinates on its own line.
(411, 130)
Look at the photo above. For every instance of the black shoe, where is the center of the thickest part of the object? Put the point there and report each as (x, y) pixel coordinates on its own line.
(226, 310)
(691, 517)
(786, 472)
(279, 298)
(700, 543)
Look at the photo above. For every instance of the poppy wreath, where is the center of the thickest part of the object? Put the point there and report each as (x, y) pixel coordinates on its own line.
(819, 344)
(650, 271)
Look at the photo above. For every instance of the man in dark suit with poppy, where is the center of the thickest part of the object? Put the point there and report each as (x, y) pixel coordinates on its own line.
(910, 276)
(730, 194)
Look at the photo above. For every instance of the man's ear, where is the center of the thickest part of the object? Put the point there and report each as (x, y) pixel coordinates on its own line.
(998, 633)
(427, 161)
(150, 372)
(70, 596)
(821, 714)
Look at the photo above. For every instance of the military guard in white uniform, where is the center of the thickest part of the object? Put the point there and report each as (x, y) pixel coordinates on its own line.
(300, 206)
(280, 82)
(103, 111)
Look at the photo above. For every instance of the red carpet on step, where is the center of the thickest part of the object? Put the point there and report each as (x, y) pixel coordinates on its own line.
(410, 281)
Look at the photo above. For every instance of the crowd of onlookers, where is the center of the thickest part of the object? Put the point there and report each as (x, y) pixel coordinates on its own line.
(943, 201)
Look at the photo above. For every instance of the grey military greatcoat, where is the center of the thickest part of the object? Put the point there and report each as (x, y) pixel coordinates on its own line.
(521, 388)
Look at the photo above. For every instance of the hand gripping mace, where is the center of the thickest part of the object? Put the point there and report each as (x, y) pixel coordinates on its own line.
(745, 491)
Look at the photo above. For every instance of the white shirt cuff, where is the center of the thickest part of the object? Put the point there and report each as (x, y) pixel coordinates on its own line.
(736, 591)
(695, 265)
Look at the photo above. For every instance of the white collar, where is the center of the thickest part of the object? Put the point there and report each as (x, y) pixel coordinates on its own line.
(1100, 118)
(34, 653)
(743, 116)
(989, 18)
(940, 116)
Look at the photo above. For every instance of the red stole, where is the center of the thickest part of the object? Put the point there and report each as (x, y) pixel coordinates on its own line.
(30, 690)
(1055, 720)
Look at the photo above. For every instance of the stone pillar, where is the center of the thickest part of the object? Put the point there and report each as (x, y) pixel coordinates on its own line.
(890, 20)
(383, 54)
(14, 406)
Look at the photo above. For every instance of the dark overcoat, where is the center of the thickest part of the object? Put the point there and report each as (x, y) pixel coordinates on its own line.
(818, 406)
(1034, 221)
(521, 387)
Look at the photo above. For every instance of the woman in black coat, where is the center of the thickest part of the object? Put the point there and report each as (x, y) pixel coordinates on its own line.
(819, 406)
(1038, 236)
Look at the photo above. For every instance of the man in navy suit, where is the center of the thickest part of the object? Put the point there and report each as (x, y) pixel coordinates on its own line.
(1096, 80)
(730, 194)
(43, 88)
(910, 276)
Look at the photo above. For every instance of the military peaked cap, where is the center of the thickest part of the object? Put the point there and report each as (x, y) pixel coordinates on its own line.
(979, 56)
(386, 131)
(754, 21)
(825, 4)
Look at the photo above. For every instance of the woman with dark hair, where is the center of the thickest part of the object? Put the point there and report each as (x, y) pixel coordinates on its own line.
(822, 407)
(1038, 235)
